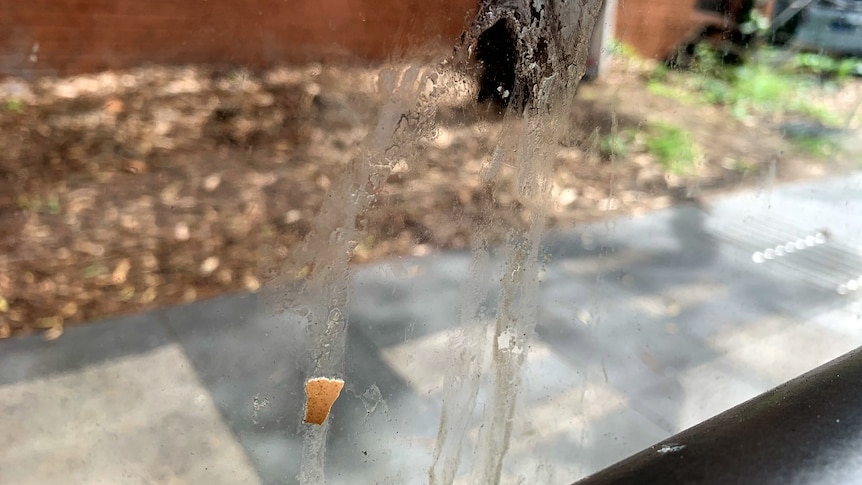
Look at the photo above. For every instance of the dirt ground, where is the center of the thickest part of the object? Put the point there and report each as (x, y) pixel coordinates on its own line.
(127, 191)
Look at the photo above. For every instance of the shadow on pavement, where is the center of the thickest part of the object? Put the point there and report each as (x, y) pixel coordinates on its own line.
(628, 308)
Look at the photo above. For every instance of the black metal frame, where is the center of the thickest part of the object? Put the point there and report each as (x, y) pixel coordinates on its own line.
(808, 430)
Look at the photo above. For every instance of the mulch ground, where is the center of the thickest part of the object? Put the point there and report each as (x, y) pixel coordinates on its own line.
(126, 191)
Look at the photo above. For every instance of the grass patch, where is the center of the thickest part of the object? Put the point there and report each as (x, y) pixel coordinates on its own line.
(673, 147)
(660, 88)
(749, 88)
(614, 146)
(623, 50)
(825, 66)
(15, 105)
(760, 86)
(821, 114)
(744, 165)
(818, 146)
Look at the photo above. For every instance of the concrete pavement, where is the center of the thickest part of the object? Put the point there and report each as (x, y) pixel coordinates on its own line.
(647, 325)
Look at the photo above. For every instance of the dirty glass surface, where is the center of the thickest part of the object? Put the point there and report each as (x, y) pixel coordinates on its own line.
(513, 241)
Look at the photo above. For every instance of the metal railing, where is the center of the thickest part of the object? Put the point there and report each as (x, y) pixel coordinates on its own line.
(808, 430)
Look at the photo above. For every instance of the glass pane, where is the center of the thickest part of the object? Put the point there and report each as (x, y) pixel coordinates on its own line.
(451, 241)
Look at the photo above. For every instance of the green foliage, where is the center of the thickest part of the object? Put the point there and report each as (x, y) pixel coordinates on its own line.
(708, 62)
(819, 113)
(614, 145)
(750, 87)
(717, 91)
(659, 73)
(678, 93)
(94, 270)
(744, 165)
(673, 147)
(52, 205)
(621, 49)
(825, 66)
(756, 23)
(15, 105)
(760, 85)
(723, 84)
(819, 146)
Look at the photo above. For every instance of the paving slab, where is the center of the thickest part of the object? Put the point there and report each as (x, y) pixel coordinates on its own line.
(143, 418)
(33, 358)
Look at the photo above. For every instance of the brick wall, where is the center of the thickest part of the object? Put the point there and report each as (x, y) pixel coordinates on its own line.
(655, 27)
(50, 37)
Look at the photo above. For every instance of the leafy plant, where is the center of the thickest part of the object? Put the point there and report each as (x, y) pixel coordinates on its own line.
(659, 73)
(673, 147)
(708, 62)
(756, 23)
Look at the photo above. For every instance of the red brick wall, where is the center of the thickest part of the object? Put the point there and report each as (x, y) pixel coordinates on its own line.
(654, 27)
(76, 36)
